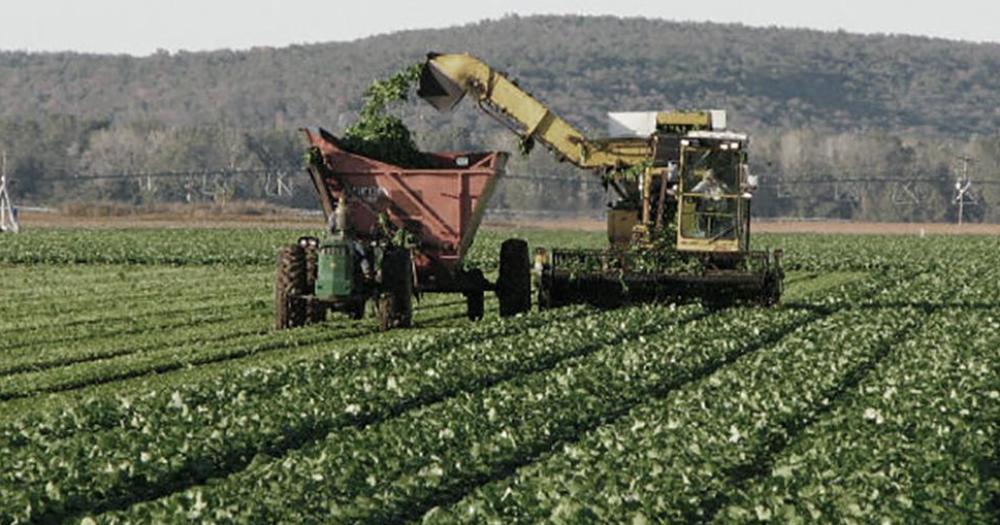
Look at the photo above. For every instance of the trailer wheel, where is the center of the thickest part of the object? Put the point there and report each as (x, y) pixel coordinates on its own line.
(475, 283)
(395, 301)
(315, 310)
(289, 286)
(514, 282)
(475, 305)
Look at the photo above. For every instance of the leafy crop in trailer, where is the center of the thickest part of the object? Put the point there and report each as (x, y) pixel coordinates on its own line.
(382, 136)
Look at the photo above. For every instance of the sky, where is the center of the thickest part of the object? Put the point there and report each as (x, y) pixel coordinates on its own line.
(140, 27)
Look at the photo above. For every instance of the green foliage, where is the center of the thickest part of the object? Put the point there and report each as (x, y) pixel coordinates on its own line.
(819, 106)
(628, 174)
(870, 395)
(382, 136)
(770, 77)
(679, 458)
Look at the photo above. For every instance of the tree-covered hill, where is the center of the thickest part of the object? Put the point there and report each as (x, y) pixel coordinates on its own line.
(784, 86)
(583, 66)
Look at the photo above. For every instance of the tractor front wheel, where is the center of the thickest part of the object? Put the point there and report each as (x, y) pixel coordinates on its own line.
(395, 301)
(356, 310)
(290, 309)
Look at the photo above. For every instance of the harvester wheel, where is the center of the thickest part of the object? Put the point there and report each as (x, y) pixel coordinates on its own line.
(546, 297)
(395, 302)
(315, 311)
(514, 282)
(772, 290)
(289, 286)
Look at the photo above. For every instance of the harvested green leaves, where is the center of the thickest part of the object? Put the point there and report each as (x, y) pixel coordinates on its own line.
(382, 136)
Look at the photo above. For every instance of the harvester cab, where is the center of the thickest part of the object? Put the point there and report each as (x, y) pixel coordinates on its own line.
(697, 185)
(713, 193)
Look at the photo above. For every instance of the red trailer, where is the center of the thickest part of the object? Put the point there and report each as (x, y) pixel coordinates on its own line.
(372, 206)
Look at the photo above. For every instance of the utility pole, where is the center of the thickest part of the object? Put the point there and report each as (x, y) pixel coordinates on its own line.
(962, 186)
(8, 213)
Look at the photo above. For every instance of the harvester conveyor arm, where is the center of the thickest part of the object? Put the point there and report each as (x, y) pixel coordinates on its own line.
(446, 78)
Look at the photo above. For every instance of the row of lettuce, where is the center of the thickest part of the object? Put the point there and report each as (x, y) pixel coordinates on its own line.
(113, 449)
(865, 417)
(117, 450)
(259, 246)
(130, 336)
(873, 399)
(884, 413)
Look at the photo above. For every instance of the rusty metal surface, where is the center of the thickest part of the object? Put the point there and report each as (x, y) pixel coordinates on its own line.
(442, 204)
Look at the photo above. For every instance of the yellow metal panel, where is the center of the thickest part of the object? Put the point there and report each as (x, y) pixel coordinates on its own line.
(691, 119)
(534, 119)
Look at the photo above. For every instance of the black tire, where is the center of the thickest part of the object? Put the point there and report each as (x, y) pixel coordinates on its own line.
(514, 282)
(475, 305)
(289, 286)
(545, 299)
(315, 310)
(717, 305)
(357, 310)
(475, 284)
(773, 285)
(395, 301)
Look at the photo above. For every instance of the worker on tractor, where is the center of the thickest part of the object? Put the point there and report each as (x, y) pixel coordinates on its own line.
(709, 185)
(710, 205)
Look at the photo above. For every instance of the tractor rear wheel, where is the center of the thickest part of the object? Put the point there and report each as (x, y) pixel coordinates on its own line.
(514, 282)
(395, 301)
(356, 310)
(289, 286)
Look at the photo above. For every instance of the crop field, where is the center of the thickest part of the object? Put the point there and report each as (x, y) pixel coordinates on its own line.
(141, 382)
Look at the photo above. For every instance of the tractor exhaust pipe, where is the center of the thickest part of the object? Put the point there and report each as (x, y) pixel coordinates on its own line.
(437, 88)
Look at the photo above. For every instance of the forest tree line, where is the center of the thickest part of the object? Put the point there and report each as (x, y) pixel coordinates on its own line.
(824, 110)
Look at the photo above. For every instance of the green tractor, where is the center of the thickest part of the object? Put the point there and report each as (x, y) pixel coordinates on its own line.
(395, 234)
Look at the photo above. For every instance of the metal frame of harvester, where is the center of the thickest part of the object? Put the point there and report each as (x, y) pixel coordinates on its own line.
(681, 226)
